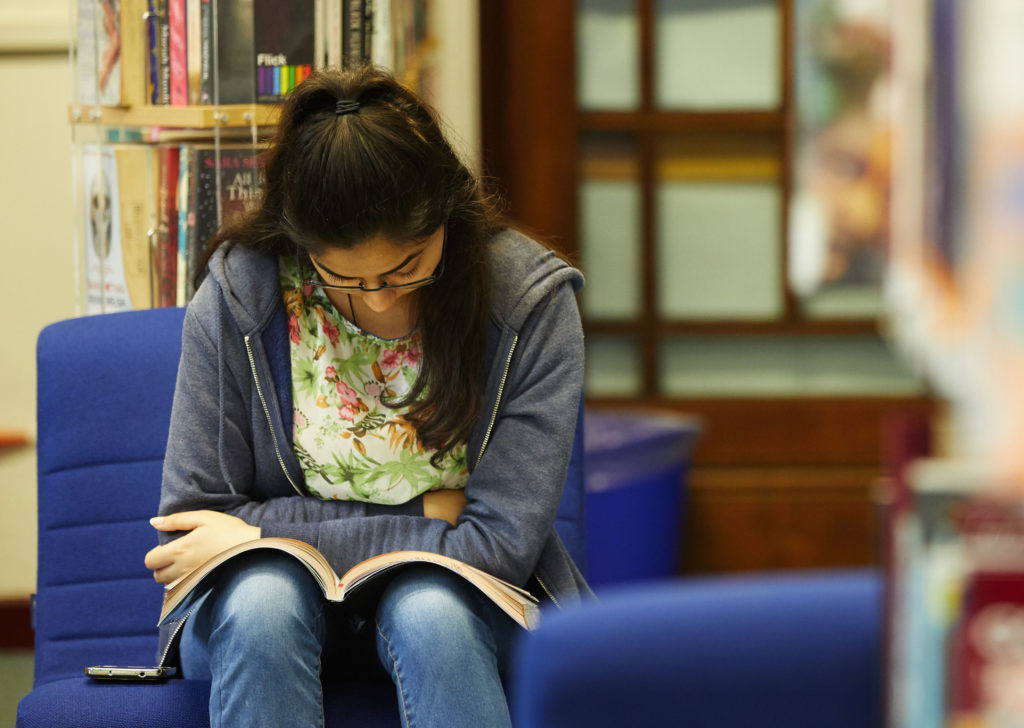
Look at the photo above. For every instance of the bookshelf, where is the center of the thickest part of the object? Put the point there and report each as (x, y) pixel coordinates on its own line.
(206, 118)
(159, 162)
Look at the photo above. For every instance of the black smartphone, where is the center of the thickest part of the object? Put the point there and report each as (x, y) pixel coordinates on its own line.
(136, 674)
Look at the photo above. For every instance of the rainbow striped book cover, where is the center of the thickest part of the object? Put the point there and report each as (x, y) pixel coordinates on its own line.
(284, 44)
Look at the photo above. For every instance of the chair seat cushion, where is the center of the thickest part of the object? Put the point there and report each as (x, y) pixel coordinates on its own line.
(84, 703)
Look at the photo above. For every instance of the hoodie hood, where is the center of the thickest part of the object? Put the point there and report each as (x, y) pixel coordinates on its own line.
(249, 282)
(524, 272)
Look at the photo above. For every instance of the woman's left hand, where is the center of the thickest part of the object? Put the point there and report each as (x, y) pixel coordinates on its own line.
(210, 532)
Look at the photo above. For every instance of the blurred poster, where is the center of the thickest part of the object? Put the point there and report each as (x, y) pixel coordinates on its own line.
(839, 216)
(990, 253)
(955, 285)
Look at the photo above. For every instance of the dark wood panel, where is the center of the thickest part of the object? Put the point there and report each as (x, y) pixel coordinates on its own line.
(528, 119)
(781, 518)
(787, 432)
(802, 327)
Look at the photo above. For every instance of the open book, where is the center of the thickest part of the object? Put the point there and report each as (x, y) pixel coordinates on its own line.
(517, 603)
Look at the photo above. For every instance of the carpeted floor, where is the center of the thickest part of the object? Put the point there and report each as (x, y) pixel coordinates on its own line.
(15, 682)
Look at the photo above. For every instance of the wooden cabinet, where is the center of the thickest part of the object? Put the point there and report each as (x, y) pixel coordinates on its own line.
(649, 140)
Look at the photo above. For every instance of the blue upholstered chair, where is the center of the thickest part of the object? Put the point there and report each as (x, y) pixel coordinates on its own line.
(765, 651)
(104, 402)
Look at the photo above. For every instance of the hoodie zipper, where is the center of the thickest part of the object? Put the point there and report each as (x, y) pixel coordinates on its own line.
(174, 636)
(266, 411)
(547, 591)
(497, 399)
(487, 439)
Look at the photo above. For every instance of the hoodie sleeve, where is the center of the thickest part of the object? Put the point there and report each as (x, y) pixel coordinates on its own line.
(513, 493)
(209, 462)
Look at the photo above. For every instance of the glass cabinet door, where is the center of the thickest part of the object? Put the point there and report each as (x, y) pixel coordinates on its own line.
(717, 54)
(607, 55)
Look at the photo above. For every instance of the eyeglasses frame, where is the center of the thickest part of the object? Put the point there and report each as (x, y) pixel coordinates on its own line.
(420, 283)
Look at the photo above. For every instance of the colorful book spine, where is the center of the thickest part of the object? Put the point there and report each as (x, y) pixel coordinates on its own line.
(178, 52)
(152, 53)
(160, 57)
(184, 210)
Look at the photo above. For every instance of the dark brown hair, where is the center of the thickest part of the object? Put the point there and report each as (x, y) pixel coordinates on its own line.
(336, 180)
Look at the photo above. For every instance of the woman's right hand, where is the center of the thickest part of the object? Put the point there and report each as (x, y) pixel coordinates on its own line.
(444, 504)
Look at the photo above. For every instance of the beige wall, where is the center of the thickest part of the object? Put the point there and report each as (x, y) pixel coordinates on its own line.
(37, 272)
(458, 58)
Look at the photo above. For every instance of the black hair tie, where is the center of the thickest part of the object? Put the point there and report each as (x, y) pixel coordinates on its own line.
(346, 106)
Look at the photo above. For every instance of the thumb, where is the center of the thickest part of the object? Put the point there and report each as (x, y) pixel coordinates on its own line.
(184, 521)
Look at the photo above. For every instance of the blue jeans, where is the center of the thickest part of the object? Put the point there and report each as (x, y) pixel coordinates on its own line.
(260, 634)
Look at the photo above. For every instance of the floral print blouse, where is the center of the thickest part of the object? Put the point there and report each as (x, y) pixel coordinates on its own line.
(350, 444)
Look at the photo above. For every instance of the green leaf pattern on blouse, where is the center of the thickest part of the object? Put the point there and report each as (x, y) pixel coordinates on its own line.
(351, 446)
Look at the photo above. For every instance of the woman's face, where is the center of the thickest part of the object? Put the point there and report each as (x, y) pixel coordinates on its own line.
(378, 262)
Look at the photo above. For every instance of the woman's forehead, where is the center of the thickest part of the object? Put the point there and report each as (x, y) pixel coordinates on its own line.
(374, 256)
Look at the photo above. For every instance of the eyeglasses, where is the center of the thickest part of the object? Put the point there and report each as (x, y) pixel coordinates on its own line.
(361, 288)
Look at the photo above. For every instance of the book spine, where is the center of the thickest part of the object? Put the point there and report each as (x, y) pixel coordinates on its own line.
(319, 40)
(167, 227)
(354, 52)
(184, 212)
(369, 15)
(333, 33)
(285, 47)
(235, 69)
(109, 53)
(152, 53)
(203, 205)
(178, 52)
(194, 54)
(400, 37)
(381, 52)
(206, 52)
(163, 54)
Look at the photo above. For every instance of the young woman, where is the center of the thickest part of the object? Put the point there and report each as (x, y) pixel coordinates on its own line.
(372, 363)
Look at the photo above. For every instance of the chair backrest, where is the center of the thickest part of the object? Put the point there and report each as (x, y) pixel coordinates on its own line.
(105, 386)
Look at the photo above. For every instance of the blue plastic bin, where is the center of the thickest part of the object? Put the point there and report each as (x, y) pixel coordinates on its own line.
(635, 465)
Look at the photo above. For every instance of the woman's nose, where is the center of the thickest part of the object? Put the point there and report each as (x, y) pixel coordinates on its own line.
(379, 300)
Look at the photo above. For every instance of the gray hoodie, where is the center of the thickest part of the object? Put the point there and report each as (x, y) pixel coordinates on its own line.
(230, 442)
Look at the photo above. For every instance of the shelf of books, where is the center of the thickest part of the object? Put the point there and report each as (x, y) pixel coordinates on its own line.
(955, 521)
(956, 599)
(174, 100)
